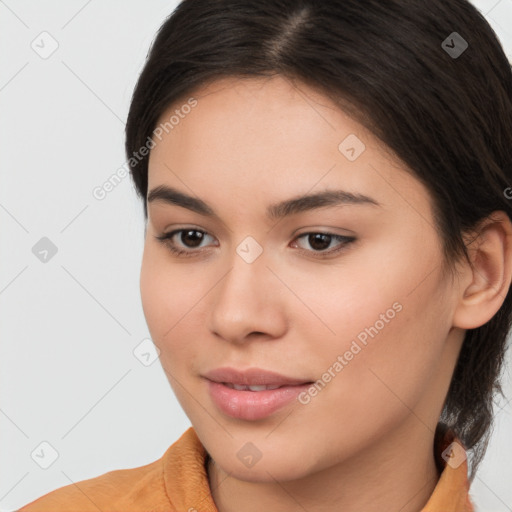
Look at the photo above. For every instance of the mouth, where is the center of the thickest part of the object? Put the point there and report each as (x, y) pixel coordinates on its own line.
(254, 379)
(240, 387)
(253, 394)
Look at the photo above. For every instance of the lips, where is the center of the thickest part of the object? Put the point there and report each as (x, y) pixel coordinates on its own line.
(250, 405)
(252, 377)
(252, 394)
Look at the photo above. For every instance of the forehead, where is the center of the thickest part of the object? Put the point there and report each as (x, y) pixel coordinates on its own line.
(257, 106)
(271, 138)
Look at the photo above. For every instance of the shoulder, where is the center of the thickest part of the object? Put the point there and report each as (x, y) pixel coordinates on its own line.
(179, 473)
(119, 490)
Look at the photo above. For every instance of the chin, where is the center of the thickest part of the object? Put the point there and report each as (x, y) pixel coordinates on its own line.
(267, 469)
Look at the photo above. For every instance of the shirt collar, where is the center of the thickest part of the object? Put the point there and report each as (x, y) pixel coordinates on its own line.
(452, 490)
(186, 478)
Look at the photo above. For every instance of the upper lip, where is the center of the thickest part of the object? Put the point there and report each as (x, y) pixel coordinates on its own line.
(252, 377)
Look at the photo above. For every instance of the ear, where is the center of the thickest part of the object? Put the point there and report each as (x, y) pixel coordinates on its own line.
(484, 287)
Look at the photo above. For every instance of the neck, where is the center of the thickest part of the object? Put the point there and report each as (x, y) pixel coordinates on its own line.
(396, 473)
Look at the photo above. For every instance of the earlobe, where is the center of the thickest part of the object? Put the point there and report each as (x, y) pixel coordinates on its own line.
(484, 286)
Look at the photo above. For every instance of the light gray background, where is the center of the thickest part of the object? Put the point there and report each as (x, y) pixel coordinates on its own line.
(69, 375)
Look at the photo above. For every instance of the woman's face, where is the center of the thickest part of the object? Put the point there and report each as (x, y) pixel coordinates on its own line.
(363, 311)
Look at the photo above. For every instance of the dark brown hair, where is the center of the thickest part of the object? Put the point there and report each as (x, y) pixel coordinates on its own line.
(448, 117)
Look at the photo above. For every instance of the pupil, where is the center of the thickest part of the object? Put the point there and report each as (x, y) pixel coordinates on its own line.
(195, 240)
(313, 239)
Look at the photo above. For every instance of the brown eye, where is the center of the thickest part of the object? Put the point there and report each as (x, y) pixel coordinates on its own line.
(319, 242)
(191, 235)
(183, 241)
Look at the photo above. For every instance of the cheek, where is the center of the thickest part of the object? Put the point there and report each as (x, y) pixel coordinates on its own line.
(155, 296)
(166, 294)
(387, 319)
(173, 299)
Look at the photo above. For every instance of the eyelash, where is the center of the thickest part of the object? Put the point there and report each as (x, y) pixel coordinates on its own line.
(166, 239)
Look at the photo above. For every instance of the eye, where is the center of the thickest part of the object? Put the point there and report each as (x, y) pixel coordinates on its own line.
(190, 237)
(321, 241)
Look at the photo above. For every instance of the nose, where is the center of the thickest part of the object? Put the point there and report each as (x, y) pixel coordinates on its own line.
(248, 302)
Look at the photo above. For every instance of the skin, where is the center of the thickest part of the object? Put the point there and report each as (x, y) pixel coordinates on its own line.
(365, 441)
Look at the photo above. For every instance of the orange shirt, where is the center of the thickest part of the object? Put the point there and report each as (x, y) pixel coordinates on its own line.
(178, 482)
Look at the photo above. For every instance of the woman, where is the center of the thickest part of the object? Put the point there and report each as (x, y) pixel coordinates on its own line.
(327, 258)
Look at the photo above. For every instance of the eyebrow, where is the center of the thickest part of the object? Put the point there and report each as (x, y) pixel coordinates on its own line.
(169, 195)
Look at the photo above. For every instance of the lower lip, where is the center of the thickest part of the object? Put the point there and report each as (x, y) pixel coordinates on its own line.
(252, 405)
